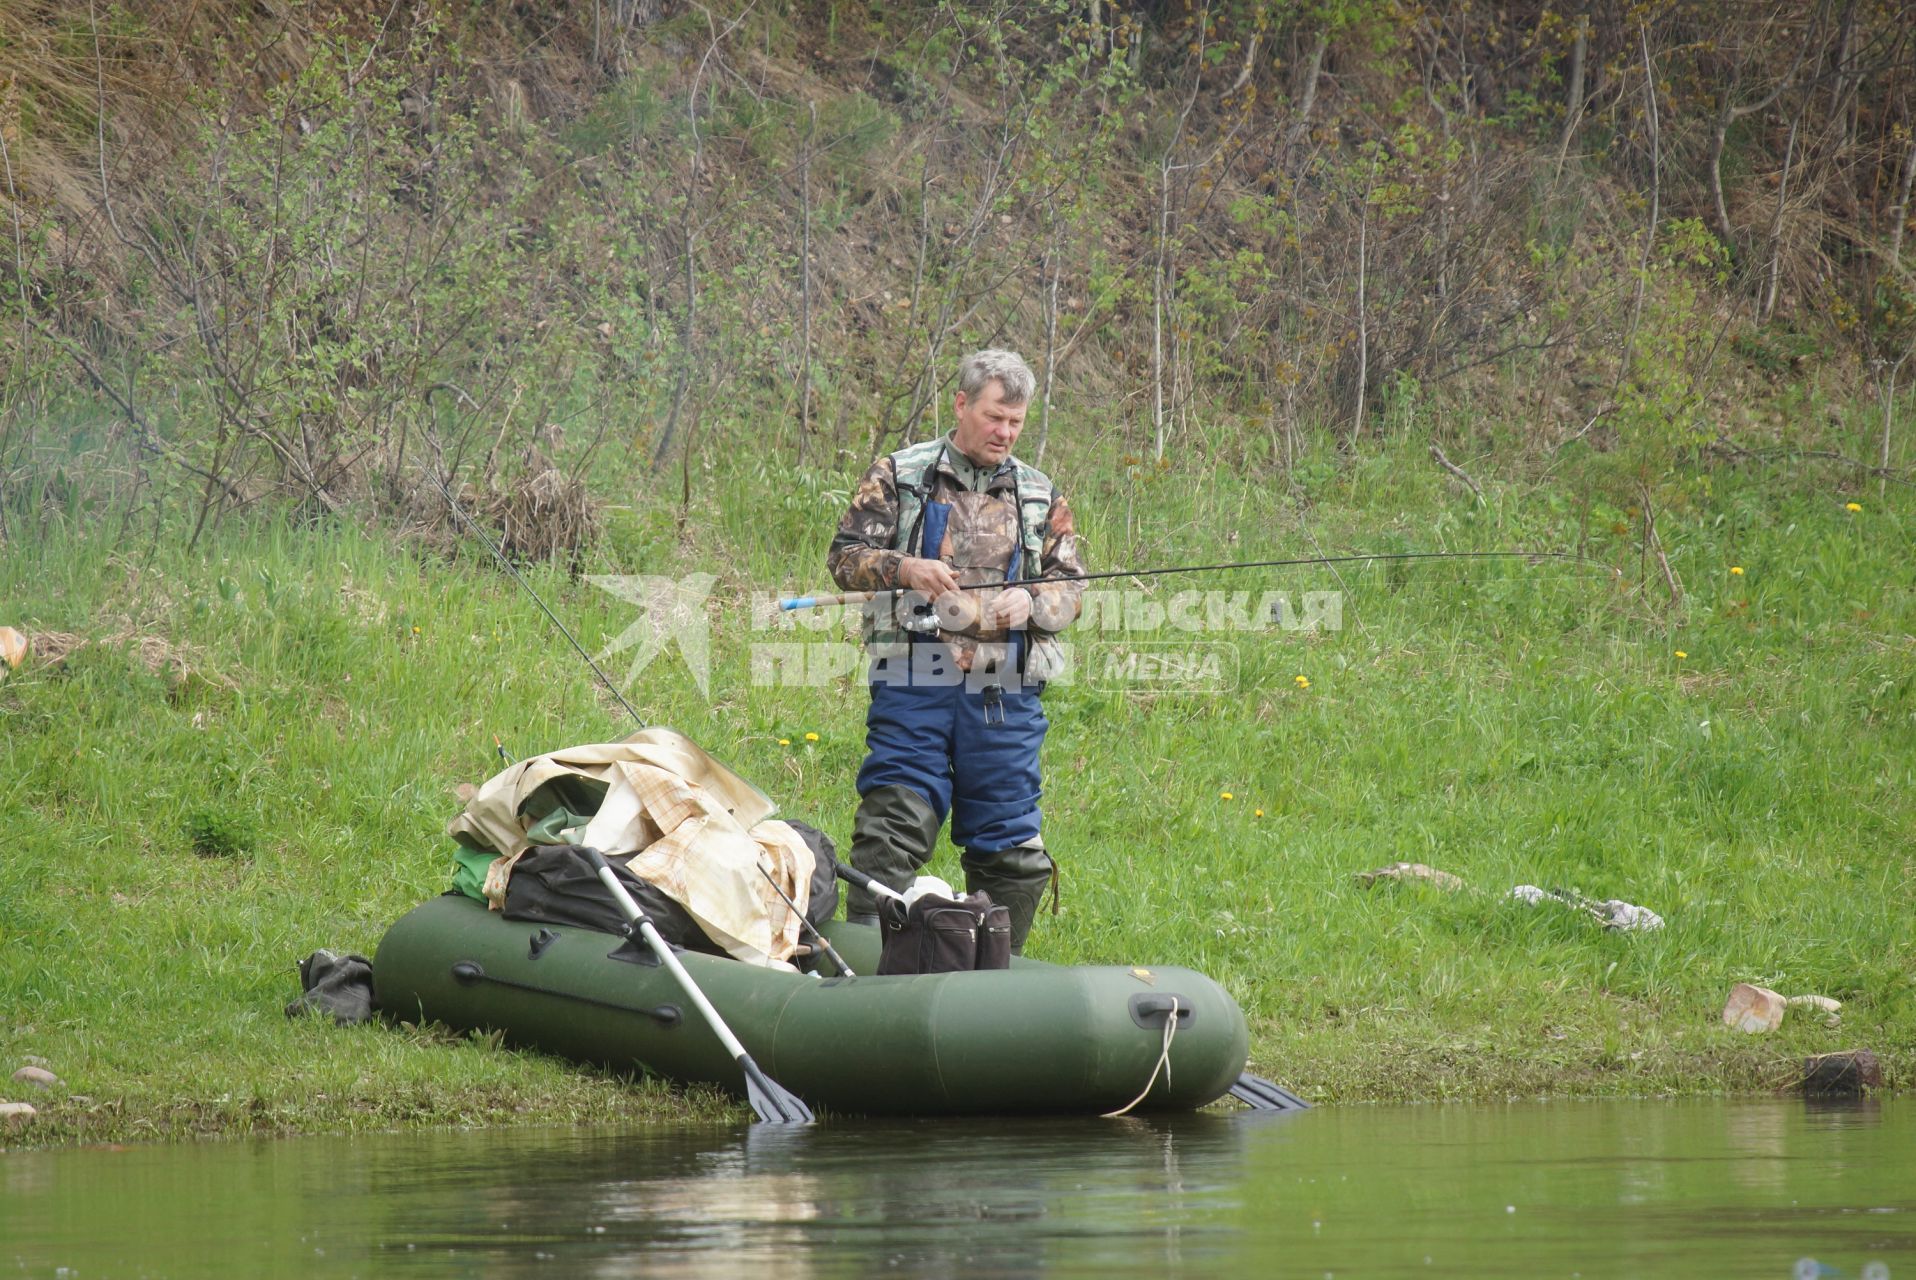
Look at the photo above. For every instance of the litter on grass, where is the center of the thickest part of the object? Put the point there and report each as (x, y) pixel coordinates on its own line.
(1611, 913)
(1755, 1009)
(1410, 871)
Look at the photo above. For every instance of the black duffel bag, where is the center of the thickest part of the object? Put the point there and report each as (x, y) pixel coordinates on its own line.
(944, 935)
(554, 884)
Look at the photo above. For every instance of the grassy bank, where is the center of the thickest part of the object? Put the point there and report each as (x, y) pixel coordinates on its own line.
(250, 752)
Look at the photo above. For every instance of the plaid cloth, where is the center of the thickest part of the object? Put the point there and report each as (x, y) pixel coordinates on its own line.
(679, 819)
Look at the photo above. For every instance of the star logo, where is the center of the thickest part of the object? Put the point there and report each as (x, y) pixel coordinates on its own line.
(670, 608)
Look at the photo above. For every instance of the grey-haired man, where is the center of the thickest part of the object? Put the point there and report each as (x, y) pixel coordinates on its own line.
(955, 721)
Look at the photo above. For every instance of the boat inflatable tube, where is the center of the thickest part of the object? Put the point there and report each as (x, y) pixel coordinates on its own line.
(1034, 1038)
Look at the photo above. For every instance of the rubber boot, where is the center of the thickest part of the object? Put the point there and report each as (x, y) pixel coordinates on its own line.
(1016, 879)
(892, 837)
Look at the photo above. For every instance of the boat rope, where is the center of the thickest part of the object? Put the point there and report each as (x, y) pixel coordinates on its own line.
(1163, 1063)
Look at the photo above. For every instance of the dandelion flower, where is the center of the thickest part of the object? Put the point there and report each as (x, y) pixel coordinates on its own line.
(1225, 795)
(784, 742)
(415, 630)
(1852, 506)
(811, 737)
(1303, 682)
(1681, 654)
(1257, 813)
(1736, 570)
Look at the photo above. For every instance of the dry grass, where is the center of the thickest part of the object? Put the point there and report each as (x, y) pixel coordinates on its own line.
(547, 515)
(156, 653)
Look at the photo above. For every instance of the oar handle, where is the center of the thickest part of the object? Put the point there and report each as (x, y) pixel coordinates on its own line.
(865, 882)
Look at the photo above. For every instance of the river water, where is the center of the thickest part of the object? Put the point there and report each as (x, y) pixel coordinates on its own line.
(1693, 1189)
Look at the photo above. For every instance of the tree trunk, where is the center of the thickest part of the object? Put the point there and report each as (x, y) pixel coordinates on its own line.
(1719, 136)
(1363, 324)
(1052, 271)
(1301, 121)
(1656, 206)
(805, 290)
(1902, 210)
(1157, 311)
(1573, 105)
(1776, 227)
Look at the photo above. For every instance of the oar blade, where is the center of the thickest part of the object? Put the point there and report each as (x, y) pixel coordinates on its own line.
(771, 1102)
(1260, 1094)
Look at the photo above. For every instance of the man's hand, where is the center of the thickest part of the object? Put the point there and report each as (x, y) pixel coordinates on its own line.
(1012, 609)
(929, 578)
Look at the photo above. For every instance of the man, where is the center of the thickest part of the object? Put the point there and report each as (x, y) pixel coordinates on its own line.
(955, 721)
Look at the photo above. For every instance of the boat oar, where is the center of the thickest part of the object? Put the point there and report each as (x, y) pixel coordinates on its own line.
(1260, 1094)
(853, 875)
(770, 1102)
(844, 969)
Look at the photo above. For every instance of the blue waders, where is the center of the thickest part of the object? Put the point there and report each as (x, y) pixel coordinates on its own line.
(944, 741)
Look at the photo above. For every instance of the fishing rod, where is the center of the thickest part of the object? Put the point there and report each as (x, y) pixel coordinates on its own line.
(790, 603)
(844, 969)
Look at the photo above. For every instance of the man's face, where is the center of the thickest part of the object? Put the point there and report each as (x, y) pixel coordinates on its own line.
(987, 426)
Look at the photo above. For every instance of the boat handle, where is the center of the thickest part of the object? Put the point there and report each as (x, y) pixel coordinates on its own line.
(1149, 1010)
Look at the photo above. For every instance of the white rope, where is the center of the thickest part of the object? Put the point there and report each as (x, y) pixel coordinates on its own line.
(1163, 1062)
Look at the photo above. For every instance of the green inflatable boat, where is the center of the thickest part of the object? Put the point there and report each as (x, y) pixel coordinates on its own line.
(1034, 1038)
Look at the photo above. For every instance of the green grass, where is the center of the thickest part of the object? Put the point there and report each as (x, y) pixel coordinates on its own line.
(273, 771)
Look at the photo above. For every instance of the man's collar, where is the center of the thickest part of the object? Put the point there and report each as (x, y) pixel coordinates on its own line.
(964, 470)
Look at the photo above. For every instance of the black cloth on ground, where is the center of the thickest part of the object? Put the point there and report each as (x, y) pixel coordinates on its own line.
(335, 984)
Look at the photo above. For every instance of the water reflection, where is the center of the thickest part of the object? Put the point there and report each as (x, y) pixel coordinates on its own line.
(1759, 1144)
(941, 1197)
(1615, 1189)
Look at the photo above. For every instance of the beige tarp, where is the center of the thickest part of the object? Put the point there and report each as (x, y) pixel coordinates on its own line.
(679, 819)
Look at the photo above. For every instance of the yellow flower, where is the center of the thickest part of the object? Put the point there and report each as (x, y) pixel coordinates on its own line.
(1736, 570)
(1852, 506)
(1303, 682)
(1681, 654)
(415, 630)
(1225, 795)
(1257, 813)
(811, 737)
(784, 742)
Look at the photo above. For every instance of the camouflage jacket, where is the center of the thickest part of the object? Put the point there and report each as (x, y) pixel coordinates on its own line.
(1010, 519)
